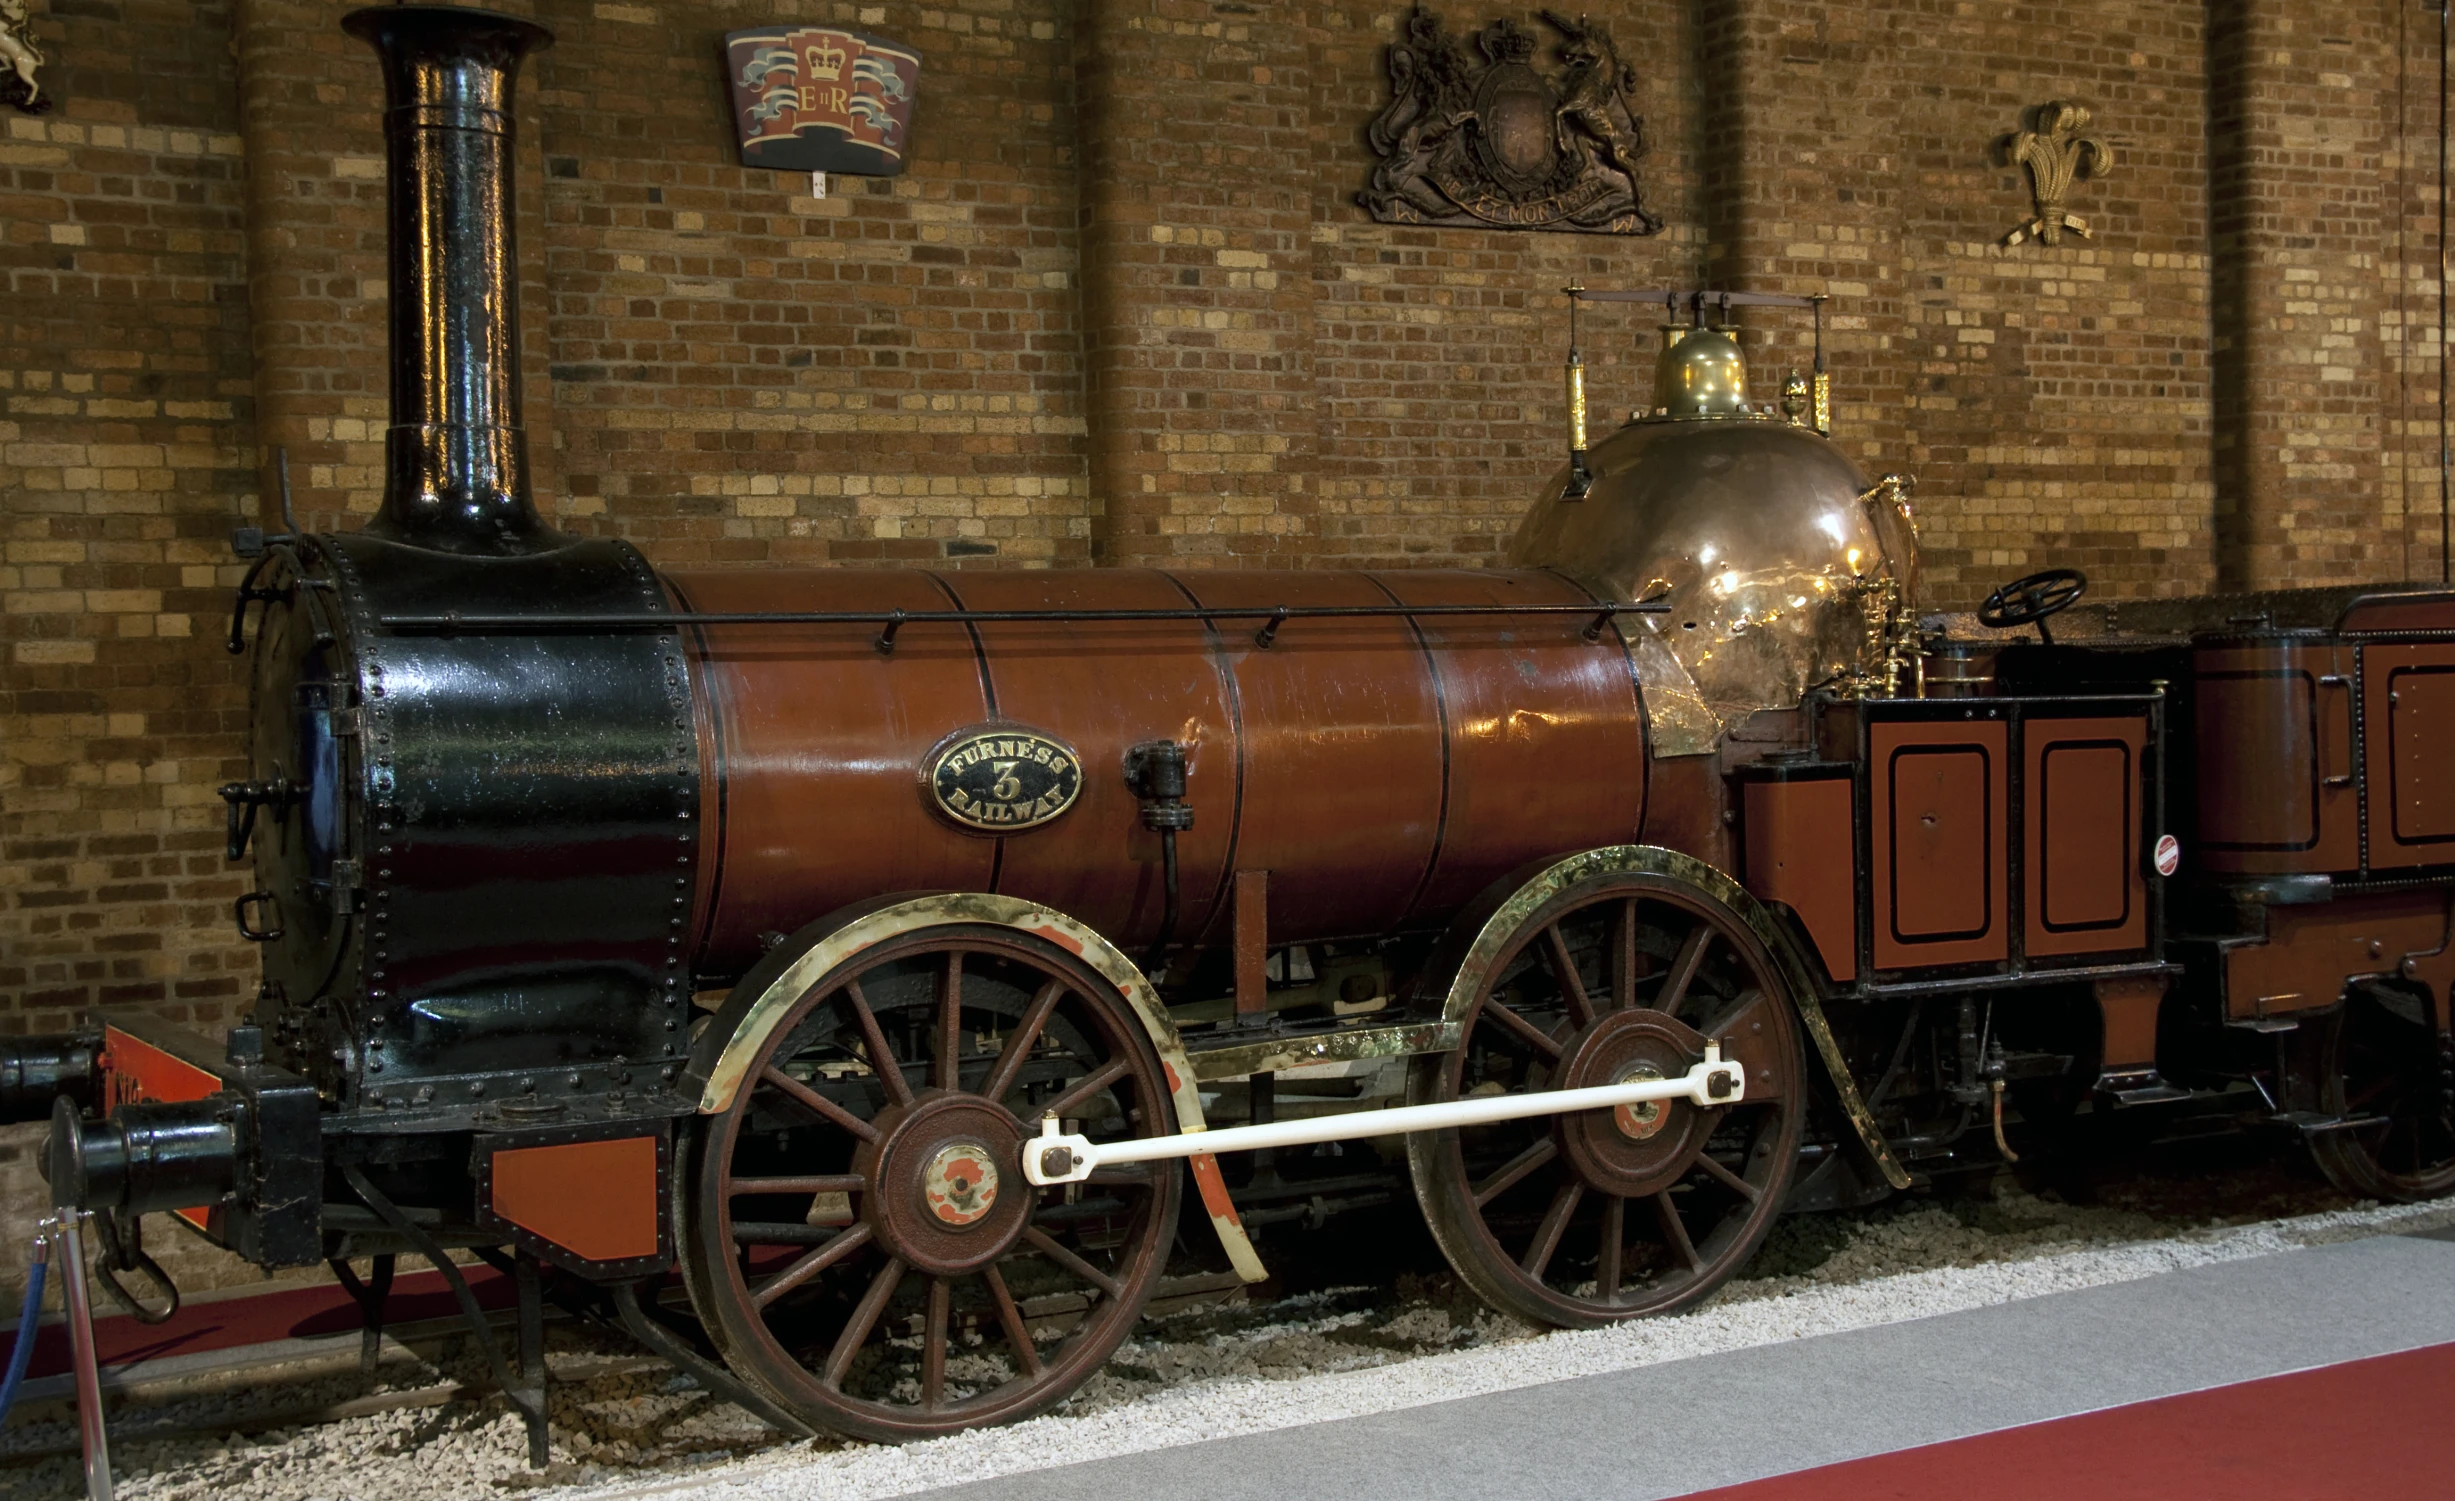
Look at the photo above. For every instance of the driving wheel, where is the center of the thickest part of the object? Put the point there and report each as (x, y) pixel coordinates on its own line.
(1584, 1219)
(859, 1238)
(2384, 1071)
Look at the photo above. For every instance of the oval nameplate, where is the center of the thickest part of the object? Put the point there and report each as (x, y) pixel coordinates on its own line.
(1003, 780)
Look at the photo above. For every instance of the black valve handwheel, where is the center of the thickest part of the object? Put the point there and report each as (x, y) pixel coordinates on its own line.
(2030, 599)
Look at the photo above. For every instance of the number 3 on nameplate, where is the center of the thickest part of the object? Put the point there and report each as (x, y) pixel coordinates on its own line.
(1008, 787)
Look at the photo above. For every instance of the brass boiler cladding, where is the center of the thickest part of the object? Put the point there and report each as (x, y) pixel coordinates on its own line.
(1784, 568)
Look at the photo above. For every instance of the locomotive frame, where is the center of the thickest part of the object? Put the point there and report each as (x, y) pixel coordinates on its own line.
(612, 931)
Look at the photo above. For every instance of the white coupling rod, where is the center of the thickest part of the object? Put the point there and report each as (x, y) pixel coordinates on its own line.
(1057, 1157)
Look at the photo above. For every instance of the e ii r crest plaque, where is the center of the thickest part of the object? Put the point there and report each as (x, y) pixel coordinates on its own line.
(1002, 779)
(814, 99)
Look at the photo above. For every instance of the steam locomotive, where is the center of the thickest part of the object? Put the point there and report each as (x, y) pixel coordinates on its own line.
(868, 947)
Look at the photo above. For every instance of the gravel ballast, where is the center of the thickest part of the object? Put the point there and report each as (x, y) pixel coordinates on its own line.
(1338, 1350)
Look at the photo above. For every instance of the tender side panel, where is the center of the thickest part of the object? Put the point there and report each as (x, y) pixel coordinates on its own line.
(1801, 850)
(2275, 786)
(813, 744)
(1344, 761)
(1939, 814)
(2312, 951)
(1103, 687)
(2408, 722)
(2399, 611)
(1546, 734)
(2086, 891)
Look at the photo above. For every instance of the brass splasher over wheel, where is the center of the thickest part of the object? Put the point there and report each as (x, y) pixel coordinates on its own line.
(858, 1237)
(2385, 1071)
(1587, 1218)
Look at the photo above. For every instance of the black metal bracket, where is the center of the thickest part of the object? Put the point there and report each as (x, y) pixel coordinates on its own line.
(250, 542)
(261, 900)
(530, 1405)
(1697, 300)
(370, 1296)
(1155, 773)
(241, 800)
(1270, 628)
(123, 1250)
(707, 1373)
(886, 634)
(249, 594)
(1580, 483)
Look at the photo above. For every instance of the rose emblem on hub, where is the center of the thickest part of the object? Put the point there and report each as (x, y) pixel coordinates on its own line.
(960, 1183)
(1642, 1120)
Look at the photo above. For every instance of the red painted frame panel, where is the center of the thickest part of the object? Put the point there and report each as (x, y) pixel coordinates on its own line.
(2073, 846)
(1939, 816)
(2408, 724)
(596, 1199)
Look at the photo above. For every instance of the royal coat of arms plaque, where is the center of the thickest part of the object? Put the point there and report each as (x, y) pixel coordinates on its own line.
(1501, 144)
(811, 99)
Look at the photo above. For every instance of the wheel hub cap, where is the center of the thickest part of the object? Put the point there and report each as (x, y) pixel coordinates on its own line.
(960, 1183)
(1645, 1119)
(1632, 1150)
(937, 1196)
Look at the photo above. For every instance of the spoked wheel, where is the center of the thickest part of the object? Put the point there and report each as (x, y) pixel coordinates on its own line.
(860, 1239)
(1584, 1219)
(2382, 1070)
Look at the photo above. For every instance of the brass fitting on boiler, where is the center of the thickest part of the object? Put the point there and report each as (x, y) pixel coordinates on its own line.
(1888, 645)
(1580, 478)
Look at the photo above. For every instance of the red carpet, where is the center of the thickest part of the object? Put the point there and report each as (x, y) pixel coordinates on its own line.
(2367, 1430)
(292, 1313)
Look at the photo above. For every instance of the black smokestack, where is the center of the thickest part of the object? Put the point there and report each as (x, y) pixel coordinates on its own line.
(455, 458)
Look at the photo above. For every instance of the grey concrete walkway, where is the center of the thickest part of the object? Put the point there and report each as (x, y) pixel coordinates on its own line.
(1669, 1429)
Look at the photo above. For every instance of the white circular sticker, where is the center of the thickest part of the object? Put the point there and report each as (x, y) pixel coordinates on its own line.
(2169, 854)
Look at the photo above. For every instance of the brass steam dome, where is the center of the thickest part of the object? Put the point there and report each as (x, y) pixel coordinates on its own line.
(1766, 542)
(1700, 373)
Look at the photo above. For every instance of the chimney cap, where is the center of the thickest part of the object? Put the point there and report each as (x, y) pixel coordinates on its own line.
(372, 23)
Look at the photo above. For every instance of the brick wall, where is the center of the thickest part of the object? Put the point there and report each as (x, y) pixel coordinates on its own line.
(125, 430)
(1123, 308)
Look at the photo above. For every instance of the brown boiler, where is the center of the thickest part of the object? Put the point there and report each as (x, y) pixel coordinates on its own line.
(1383, 769)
